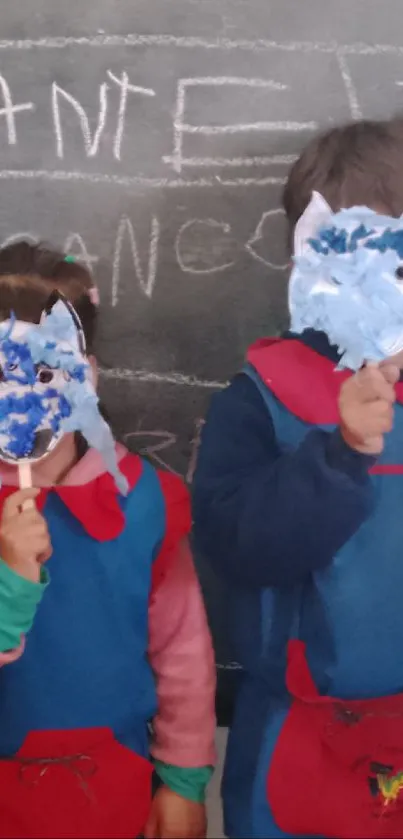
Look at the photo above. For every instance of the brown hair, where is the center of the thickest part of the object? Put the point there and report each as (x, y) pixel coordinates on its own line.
(28, 275)
(360, 163)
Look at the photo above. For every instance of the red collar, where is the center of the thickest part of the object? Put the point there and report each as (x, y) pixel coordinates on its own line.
(306, 383)
(95, 504)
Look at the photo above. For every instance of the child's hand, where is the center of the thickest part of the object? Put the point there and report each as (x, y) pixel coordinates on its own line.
(366, 407)
(24, 536)
(174, 817)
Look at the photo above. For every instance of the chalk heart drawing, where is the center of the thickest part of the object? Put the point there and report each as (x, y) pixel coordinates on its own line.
(205, 246)
(260, 244)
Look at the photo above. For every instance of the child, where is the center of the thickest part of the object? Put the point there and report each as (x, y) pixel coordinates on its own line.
(298, 501)
(112, 636)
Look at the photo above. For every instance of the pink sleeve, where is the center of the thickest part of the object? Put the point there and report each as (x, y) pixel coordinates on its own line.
(181, 656)
(12, 655)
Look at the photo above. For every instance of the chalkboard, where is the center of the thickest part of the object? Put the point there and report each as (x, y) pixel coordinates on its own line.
(152, 139)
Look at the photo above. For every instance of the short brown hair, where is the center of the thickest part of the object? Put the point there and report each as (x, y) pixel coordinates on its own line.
(360, 163)
(28, 275)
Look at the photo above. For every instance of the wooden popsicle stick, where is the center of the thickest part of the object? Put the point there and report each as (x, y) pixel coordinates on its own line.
(25, 478)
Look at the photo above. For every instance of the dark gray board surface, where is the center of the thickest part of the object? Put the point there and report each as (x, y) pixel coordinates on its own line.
(152, 139)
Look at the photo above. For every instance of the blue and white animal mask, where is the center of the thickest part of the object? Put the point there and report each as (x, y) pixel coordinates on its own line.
(345, 281)
(46, 389)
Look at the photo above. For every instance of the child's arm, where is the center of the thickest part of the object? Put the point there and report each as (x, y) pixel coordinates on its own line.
(267, 518)
(181, 656)
(19, 599)
(24, 545)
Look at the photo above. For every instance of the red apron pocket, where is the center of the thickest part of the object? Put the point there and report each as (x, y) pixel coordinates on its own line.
(337, 766)
(68, 784)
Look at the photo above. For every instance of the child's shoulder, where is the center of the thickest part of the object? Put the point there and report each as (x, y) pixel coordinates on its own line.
(299, 377)
(157, 490)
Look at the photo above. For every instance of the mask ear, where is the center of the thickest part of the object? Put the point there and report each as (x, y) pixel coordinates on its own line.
(57, 297)
(317, 214)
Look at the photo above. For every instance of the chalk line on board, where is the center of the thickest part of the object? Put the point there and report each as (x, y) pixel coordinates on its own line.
(172, 378)
(20, 237)
(135, 180)
(242, 128)
(349, 85)
(162, 40)
(235, 162)
(231, 81)
(91, 144)
(9, 110)
(197, 42)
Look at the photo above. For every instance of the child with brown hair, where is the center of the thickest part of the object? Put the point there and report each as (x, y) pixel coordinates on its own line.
(102, 626)
(298, 501)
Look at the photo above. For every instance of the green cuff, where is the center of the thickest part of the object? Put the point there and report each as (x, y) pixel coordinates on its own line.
(19, 599)
(189, 783)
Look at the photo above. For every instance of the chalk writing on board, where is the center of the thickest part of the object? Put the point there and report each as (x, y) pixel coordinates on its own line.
(254, 244)
(9, 110)
(183, 128)
(190, 247)
(206, 246)
(201, 246)
(156, 444)
(146, 278)
(125, 88)
(117, 89)
(91, 143)
(151, 444)
(74, 244)
(351, 92)
(17, 237)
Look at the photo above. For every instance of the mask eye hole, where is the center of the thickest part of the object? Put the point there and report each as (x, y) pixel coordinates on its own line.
(45, 375)
(399, 273)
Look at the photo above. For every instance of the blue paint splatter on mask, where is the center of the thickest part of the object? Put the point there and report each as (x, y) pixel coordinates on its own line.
(345, 285)
(72, 405)
(34, 408)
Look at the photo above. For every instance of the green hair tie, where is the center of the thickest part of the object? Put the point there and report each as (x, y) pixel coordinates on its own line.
(69, 259)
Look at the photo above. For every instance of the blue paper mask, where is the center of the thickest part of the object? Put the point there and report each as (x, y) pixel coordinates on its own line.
(345, 281)
(46, 389)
